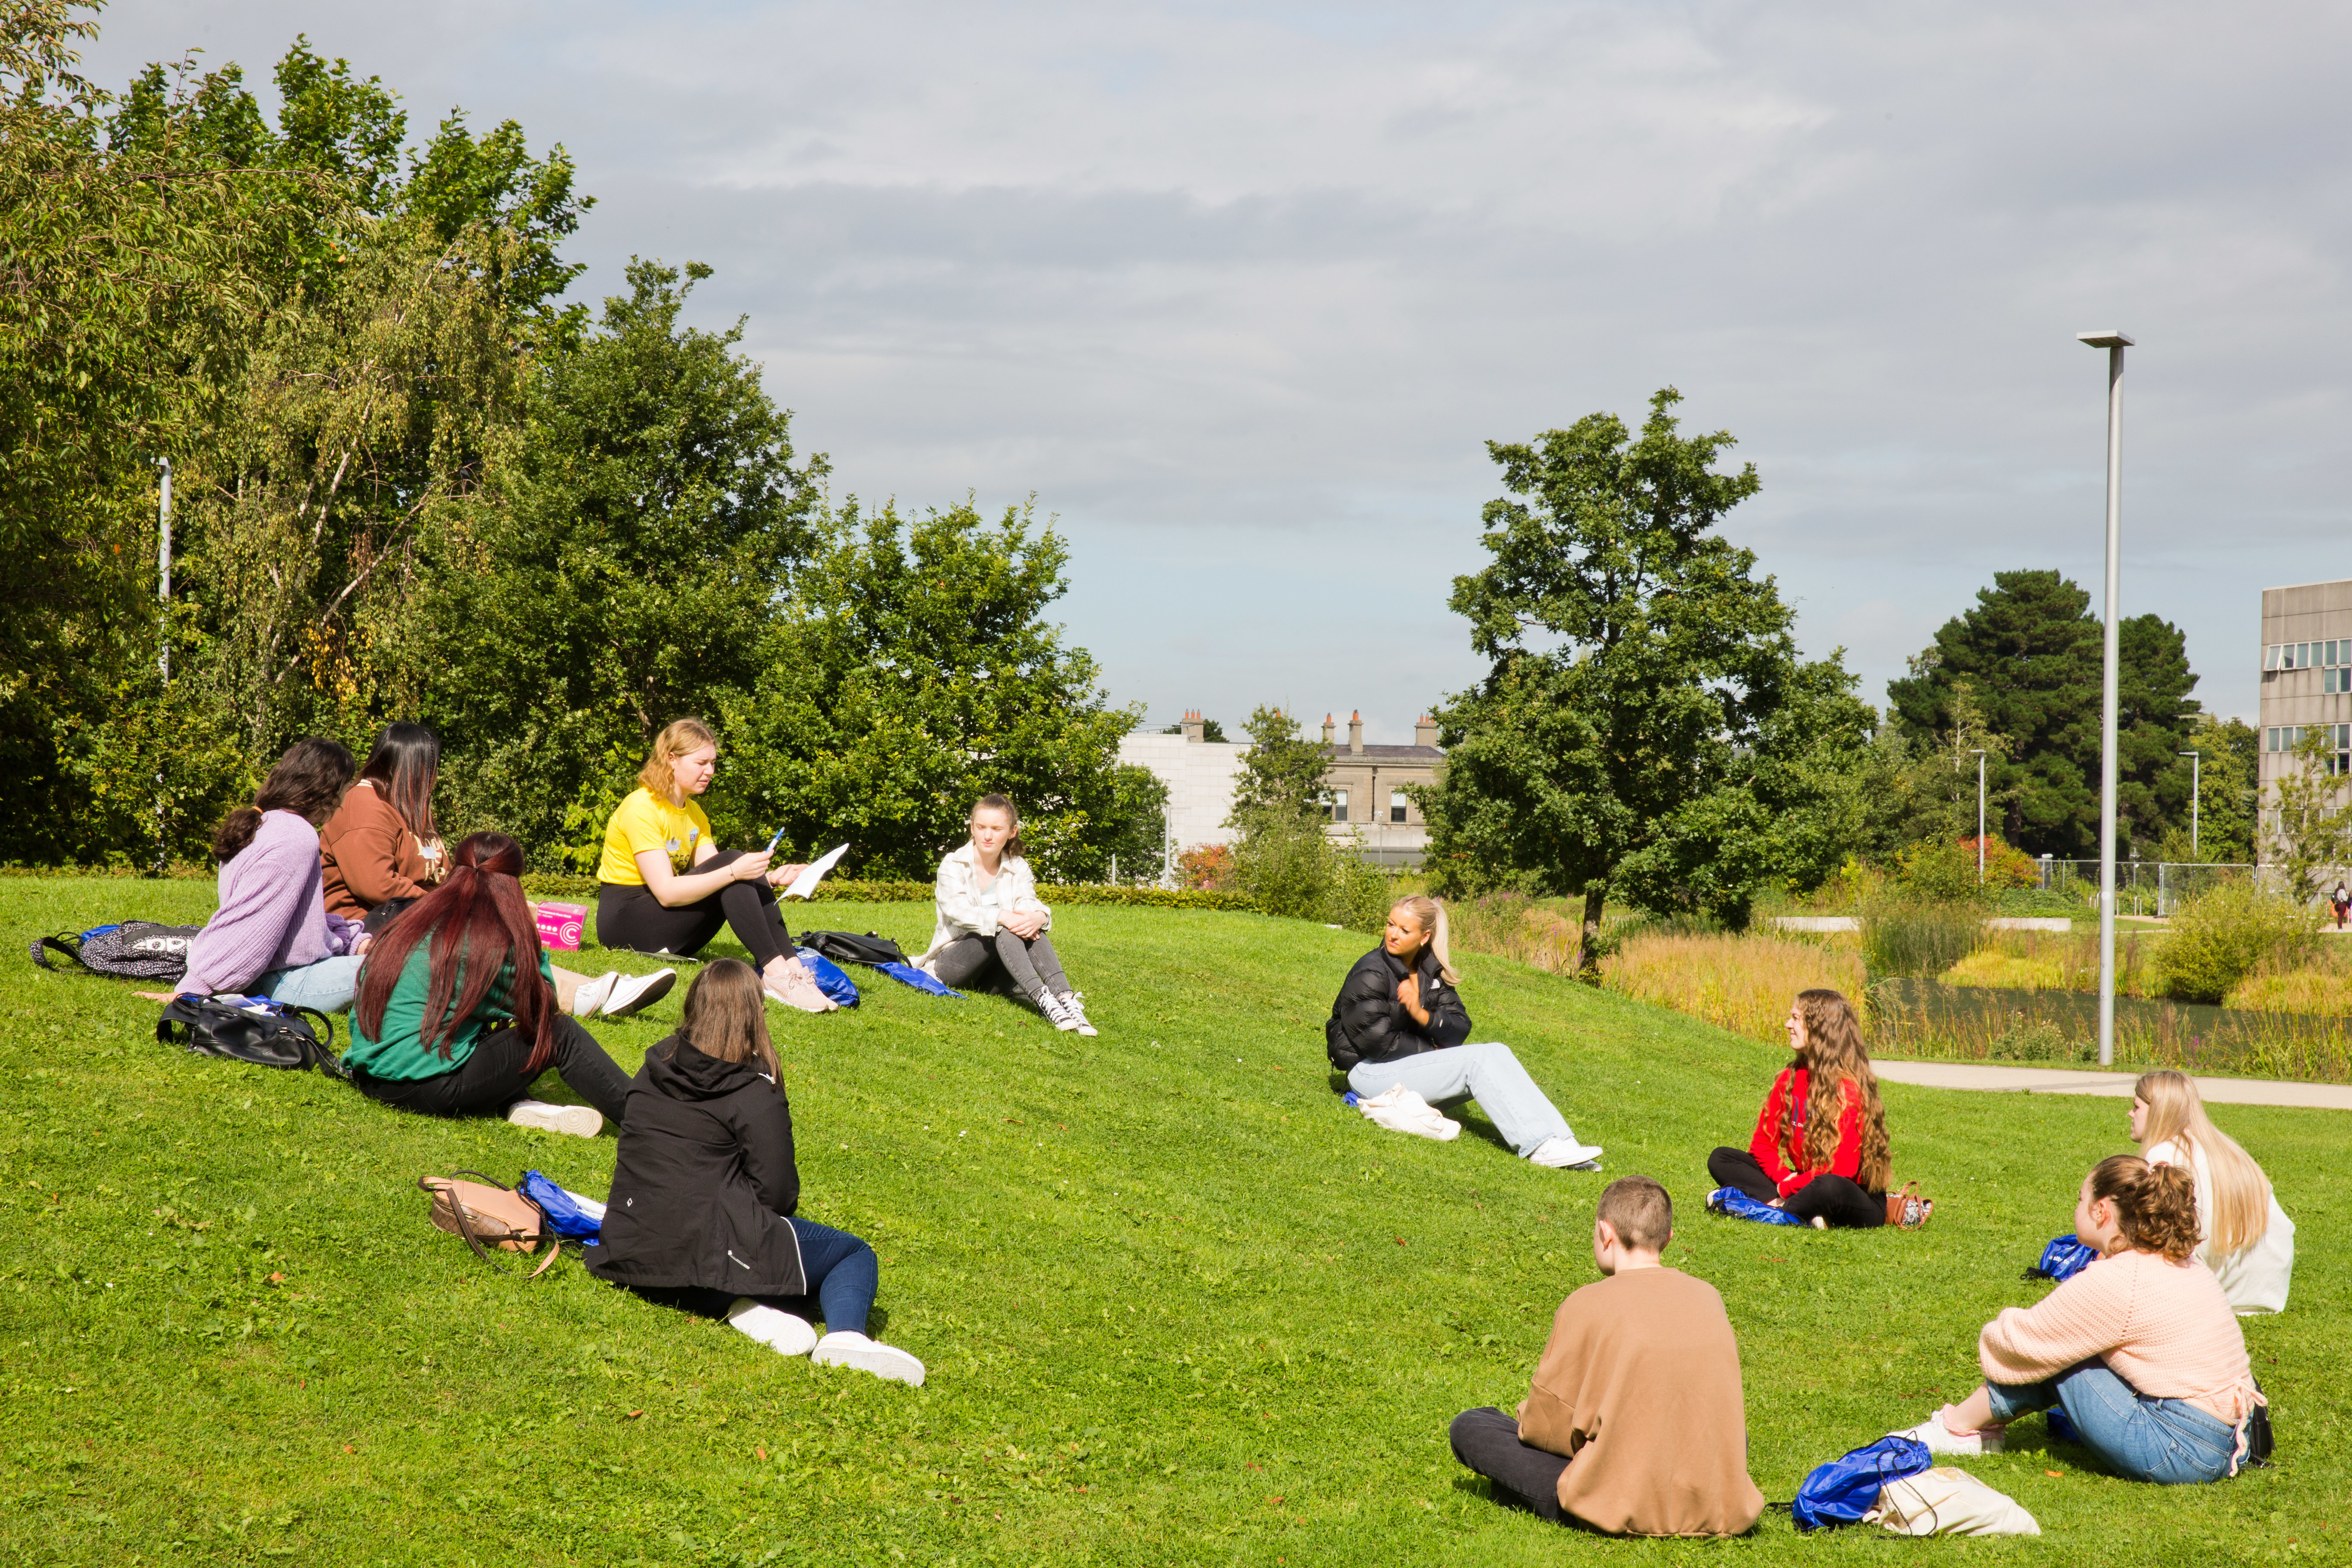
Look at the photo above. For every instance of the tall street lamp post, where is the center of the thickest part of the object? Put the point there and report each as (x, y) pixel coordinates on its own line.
(2196, 797)
(2115, 342)
(1979, 753)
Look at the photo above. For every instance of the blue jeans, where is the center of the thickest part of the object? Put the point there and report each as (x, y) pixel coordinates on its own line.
(2168, 1441)
(843, 1274)
(327, 986)
(1488, 1073)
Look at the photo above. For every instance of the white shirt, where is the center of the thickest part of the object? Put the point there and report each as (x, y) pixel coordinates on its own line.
(2255, 1278)
(966, 909)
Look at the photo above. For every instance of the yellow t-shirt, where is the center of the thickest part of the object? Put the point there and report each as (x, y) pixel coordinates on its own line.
(642, 823)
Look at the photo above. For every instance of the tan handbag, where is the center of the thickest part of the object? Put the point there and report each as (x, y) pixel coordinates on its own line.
(1907, 1210)
(489, 1217)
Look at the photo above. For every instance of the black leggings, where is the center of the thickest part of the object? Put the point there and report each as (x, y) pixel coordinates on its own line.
(1834, 1198)
(1524, 1475)
(1028, 963)
(633, 918)
(492, 1080)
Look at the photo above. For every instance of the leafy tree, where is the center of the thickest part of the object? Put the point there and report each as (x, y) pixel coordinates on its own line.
(1646, 724)
(2031, 653)
(912, 672)
(1135, 841)
(1282, 772)
(2310, 828)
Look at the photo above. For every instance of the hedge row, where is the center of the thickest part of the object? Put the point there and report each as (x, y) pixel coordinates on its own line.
(583, 890)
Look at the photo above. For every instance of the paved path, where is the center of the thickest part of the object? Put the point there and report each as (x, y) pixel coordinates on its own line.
(2117, 1085)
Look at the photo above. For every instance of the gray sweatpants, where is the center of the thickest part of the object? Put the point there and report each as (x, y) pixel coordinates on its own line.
(1029, 963)
(1488, 1073)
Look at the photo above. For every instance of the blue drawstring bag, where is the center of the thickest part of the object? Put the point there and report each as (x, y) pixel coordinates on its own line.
(1846, 1488)
(908, 974)
(570, 1216)
(837, 987)
(1733, 1204)
(2062, 1260)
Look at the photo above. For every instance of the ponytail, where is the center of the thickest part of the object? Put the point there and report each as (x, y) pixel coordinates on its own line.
(2155, 1206)
(236, 831)
(1430, 915)
(308, 781)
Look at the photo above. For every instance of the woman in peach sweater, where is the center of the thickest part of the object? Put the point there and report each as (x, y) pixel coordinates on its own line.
(2140, 1348)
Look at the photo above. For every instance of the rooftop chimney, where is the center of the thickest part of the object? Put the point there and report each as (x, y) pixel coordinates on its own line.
(1195, 730)
(1424, 731)
(1327, 728)
(1356, 732)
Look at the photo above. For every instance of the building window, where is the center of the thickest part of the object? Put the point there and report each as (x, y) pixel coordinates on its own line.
(1339, 805)
(1397, 804)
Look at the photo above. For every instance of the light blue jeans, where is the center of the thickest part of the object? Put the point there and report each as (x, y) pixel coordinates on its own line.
(327, 986)
(2168, 1441)
(1488, 1073)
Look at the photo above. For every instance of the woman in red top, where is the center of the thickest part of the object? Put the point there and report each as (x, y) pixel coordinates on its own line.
(1819, 1147)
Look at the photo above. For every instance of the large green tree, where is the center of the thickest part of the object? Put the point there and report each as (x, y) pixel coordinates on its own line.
(2029, 653)
(1646, 726)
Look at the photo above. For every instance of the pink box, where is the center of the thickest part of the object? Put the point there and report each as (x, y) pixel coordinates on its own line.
(561, 925)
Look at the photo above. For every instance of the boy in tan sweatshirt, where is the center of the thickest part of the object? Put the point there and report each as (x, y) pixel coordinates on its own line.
(1636, 1423)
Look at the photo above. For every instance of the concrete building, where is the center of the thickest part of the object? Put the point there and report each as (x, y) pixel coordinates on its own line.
(2307, 676)
(1365, 789)
(1198, 773)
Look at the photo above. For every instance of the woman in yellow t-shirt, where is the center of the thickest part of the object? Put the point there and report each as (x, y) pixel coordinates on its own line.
(664, 886)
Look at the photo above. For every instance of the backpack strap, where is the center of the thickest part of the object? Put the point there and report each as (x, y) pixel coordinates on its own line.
(65, 942)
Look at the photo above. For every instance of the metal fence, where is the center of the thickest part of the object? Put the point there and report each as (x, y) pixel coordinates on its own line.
(2142, 887)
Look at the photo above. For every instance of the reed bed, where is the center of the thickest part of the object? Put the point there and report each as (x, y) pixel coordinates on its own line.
(1512, 925)
(1743, 983)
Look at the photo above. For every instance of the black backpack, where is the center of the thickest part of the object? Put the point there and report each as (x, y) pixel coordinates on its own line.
(843, 948)
(266, 1034)
(134, 950)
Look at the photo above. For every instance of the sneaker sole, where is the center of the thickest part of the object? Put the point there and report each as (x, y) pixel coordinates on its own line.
(577, 1121)
(885, 1361)
(646, 998)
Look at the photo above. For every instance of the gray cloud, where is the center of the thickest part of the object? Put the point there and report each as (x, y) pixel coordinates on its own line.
(1240, 292)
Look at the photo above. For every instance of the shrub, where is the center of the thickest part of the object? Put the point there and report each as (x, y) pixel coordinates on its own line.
(1286, 865)
(1920, 937)
(2218, 937)
(1946, 869)
(1206, 867)
(2038, 1040)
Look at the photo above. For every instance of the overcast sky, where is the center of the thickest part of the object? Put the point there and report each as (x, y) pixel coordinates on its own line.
(1239, 292)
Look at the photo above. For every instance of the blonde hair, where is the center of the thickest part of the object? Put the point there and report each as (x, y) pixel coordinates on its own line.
(2238, 1208)
(1834, 1055)
(679, 736)
(1430, 915)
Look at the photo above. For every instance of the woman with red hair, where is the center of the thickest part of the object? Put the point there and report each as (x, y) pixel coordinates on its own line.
(457, 1016)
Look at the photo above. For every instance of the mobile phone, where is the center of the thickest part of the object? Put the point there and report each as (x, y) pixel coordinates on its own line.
(778, 838)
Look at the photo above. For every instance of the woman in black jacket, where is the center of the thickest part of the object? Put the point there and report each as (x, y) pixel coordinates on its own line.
(1399, 1023)
(704, 1188)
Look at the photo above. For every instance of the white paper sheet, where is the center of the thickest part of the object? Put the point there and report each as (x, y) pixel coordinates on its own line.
(805, 883)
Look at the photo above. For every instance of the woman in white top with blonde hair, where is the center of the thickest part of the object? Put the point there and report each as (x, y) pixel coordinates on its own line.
(2246, 1239)
(991, 925)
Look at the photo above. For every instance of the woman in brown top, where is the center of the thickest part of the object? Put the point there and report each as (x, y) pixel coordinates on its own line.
(379, 853)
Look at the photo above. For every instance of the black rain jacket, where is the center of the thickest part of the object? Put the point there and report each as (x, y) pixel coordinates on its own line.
(703, 1180)
(1369, 1024)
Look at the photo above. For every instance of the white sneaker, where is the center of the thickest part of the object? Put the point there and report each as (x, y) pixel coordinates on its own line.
(579, 1120)
(631, 991)
(846, 1348)
(1942, 1439)
(1075, 1005)
(773, 1327)
(1566, 1154)
(592, 993)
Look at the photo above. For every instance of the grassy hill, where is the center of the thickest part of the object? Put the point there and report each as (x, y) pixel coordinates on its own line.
(1177, 1303)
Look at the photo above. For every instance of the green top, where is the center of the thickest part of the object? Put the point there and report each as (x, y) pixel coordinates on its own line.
(401, 1053)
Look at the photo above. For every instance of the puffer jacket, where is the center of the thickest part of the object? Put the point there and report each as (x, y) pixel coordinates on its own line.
(1369, 1024)
(703, 1180)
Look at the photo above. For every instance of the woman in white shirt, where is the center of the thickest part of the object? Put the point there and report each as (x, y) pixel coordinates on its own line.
(2246, 1239)
(992, 926)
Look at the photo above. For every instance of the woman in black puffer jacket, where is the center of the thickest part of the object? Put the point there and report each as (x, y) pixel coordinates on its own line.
(705, 1185)
(1399, 1023)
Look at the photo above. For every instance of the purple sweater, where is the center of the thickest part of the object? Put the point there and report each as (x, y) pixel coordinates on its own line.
(273, 911)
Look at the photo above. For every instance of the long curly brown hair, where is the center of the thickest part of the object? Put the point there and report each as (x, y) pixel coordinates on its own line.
(1835, 1055)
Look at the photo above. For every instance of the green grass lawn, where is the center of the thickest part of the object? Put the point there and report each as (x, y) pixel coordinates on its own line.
(1177, 1303)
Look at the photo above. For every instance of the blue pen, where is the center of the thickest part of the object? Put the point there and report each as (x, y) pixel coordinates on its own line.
(778, 838)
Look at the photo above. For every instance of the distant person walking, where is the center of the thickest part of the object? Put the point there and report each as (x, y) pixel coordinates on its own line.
(2341, 901)
(2243, 1235)
(273, 935)
(664, 886)
(1399, 1022)
(991, 925)
(1819, 1147)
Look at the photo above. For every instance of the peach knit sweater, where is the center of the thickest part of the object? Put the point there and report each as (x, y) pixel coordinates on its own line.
(2164, 1328)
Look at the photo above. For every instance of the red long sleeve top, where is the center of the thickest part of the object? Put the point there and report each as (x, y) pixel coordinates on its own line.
(1787, 1167)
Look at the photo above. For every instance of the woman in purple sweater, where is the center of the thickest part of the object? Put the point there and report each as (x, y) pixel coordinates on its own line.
(272, 935)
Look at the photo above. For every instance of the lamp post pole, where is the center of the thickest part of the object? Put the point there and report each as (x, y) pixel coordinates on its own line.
(2196, 798)
(1979, 752)
(2115, 342)
(162, 650)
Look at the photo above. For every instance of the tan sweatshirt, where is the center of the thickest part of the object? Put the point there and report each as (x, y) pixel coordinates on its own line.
(367, 855)
(1639, 1387)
